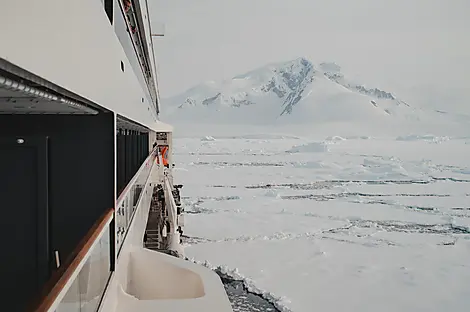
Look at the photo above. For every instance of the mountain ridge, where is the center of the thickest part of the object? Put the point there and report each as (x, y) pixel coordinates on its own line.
(291, 91)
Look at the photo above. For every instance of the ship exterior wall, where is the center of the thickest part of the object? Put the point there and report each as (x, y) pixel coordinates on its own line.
(81, 175)
(73, 44)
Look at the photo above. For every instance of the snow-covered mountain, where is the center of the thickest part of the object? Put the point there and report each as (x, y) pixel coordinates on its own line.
(296, 91)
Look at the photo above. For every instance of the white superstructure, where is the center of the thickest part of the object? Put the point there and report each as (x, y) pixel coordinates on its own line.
(81, 164)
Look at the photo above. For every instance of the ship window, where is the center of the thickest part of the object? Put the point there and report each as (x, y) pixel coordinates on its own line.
(108, 7)
(122, 66)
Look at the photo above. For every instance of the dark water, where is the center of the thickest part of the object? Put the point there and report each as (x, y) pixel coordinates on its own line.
(241, 299)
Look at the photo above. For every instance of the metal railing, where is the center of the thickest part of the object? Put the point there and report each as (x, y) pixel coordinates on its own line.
(174, 219)
(128, 201)
(170, 206)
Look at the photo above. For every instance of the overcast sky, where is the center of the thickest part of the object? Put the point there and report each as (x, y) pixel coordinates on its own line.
(408, 46)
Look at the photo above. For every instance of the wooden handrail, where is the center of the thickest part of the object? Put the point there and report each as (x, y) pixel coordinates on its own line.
(59, 278)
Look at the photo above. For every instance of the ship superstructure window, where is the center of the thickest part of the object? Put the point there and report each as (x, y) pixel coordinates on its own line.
(132, 150)
(108, 7)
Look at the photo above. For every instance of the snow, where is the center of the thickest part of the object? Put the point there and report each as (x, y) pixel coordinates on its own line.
(313, 147)
(335, 138)
(207, 138)
(299, 93)
(429, 138)
(372, 225)
(339, 205)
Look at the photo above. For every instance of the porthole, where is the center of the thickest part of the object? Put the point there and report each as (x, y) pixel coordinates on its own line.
(122, 66)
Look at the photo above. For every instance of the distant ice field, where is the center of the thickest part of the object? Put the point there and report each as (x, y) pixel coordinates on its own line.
(340, 223)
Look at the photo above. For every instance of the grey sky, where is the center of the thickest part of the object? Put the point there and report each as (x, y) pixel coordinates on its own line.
(404, 45)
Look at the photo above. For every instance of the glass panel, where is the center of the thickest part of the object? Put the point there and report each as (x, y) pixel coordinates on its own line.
(131, 199)
(94, 275)
(71, 301)
(88, 287)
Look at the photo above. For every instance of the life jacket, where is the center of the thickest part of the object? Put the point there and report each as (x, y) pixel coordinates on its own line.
(164, 153)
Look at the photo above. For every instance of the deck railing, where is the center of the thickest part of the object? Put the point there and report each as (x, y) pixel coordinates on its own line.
(175, 219)
(129, 199)
(80, 282)
(171, 206)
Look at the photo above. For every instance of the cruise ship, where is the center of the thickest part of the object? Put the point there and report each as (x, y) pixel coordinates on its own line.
(91, 217)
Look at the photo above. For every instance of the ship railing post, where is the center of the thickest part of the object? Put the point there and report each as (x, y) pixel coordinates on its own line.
(173, 235)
